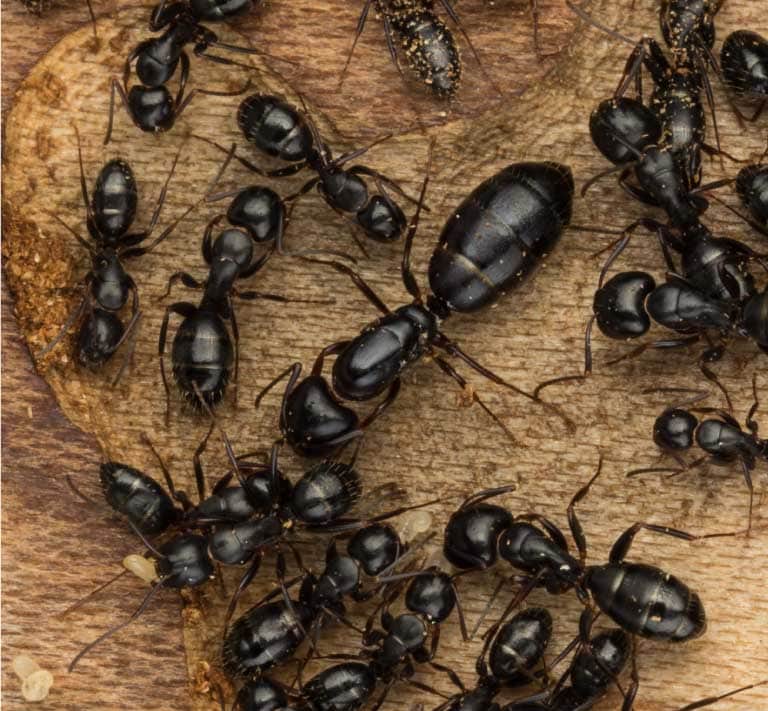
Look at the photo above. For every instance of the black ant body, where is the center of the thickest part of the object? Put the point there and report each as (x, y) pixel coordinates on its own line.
(150, 104)
(513, 659)
(744, 65)
(281, 131)
(110, 213)
(625, 305)
(676, 99)
(641, 599)
(203, 354)
(720, 437)
(263, 638)
(495, 239)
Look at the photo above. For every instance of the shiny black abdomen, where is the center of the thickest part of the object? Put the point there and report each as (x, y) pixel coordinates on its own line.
(264, 636)
(113, 203)
(275, 126)
(500, 233)
(202, 353)
(138, 497)
(646, 601)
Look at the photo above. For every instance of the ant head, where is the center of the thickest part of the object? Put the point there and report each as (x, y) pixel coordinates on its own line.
(260, 211)
(184, 562)
(674, 429)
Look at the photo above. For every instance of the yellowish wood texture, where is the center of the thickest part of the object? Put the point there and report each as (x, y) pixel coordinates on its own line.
(428, 440)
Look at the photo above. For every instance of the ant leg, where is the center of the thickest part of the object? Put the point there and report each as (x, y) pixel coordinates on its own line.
(683, 468)
(83, 184)
(143, 606)
(390, 40)
(185, 310)
(486, 494)
(293, 370)
(378, 411)
(701, 703)
(364, 170)
(534, 4)
(252, 295)
(243, 161)
(750, 421)
(667, 343)
(445, 344)
(354, 524)
(245, 581)
(712, 377)
(745, 468)
(187, 279)
(573, 378)
(599, 176)
(180, 496)
(409, 280)
(130, 334)
(634, 192)
(116, 87)
(197, 464)
(236, 339)
(586, 17)
(70, 321)
(623, 543)
(762, 229)
(629, 697)
(357, 280)
(577, 530)
(451, 372)
(627, 234)
(358, 31)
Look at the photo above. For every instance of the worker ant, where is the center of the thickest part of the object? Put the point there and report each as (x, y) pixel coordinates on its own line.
(720, 437)
(110, 213)
(150, 104)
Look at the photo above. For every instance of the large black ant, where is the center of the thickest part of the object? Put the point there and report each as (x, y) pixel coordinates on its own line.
(279, 130)
(426, 42)
(494, 240)
(203, 354)
(110, 213)
(150, 103)
(720, 437)
(642, 599)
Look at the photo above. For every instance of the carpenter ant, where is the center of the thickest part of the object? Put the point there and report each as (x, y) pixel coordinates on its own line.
(110, 213)
(641, 599)
(280, 130)
(677, 86)
(270, 632)
(744, 65)
(203, 353)
(150, 103)
(425, 40)
(721, 438)
(494, 241)
(514, 659)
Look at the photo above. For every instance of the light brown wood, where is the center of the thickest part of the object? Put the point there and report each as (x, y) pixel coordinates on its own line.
(428, 440)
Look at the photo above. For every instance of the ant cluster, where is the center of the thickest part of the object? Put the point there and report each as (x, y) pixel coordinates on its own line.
(491, 243)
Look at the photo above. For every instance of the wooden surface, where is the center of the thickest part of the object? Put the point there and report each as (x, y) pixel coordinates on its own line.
(428, 440)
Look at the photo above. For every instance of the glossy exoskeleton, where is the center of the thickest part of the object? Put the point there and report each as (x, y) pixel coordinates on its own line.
(676, 98)
(204, 356)
(744, 64)
(626, 304)
(150, 104)
(110, 211)
(280, 130)
(593, 669)
(641, 599)
(721, 438)
(496, 238)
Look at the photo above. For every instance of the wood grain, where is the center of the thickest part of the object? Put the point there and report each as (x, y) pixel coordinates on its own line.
(428, 440)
